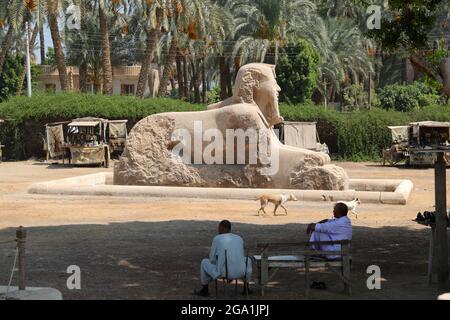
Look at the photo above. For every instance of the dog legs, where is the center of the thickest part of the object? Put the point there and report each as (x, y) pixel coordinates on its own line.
(261, 209)
(275, 210)
(263, 206)
(285, 210)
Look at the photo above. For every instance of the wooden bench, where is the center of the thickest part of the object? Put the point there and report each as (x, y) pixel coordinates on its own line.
(304, 258)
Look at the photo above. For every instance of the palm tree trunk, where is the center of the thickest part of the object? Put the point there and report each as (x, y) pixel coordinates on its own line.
(223, 78)
(204, 80)
(180, 77)
(168, 66)
(24, 67)
(229, 81)
(42, 44)
(196, 83)
(6, 44)
(59, 52)
(106, 54)
(83, 76)
(185, 79)
(83, 68)
(152, 39)
(336, 8)
(237, 66)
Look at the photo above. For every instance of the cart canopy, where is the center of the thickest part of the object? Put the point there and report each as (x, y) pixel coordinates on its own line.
(84, 124)
(301, 135)
(400, 133)
(118, 129)
(431, 124)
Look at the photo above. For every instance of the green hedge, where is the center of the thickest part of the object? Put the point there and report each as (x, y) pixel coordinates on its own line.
(73, 105)
(23, 136)
(353, 136)
(362, 135)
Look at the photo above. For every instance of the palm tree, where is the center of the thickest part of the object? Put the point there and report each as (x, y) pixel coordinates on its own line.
(42, 43)
(52, 8)
(154, 15)
(195, 46)
(344, 52)
(185, 17)
(265, 26)
(8, 9)
(6, 44)
(106, 50)
(82, 49)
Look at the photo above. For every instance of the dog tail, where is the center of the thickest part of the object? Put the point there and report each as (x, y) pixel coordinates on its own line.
(259, 198)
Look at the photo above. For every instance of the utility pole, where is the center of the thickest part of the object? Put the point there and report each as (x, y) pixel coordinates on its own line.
(28, 60)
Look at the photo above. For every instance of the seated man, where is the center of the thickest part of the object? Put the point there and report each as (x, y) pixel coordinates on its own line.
(214, 267)
(336, 229)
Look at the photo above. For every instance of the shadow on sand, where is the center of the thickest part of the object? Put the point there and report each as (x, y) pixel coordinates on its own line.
(160, 260)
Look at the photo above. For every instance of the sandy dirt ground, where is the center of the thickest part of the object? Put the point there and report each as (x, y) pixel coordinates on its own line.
(146, 248)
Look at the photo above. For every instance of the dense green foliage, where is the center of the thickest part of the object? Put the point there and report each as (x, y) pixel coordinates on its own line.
(10, 77)
(407, 97)
(351, 136)
(74, 105)
(360, 135)
(23, 135)
(297, 72)
(406, 23)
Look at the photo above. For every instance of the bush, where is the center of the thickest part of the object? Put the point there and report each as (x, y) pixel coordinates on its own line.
(10, 76)
(23, 136)
(356, 97)
(354, 136)
(360, 136)
(297, 72)
(407, 98)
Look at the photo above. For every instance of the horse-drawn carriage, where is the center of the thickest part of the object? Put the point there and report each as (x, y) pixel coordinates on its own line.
(409, 143)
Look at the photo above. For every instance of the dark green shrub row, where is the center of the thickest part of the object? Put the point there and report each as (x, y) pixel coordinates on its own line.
(360, 136)
(23, 136)
(351, 136)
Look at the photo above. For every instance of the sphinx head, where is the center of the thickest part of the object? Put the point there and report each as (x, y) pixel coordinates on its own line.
(256, 84)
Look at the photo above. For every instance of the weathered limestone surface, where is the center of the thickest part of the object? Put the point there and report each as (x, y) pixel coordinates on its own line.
(149, 159)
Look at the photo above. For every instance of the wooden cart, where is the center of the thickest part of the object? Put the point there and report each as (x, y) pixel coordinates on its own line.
(411, 142)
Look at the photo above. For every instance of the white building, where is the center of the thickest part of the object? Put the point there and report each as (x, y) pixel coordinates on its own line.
(125, 79)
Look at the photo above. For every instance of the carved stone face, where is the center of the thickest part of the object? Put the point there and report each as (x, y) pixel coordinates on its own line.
(256, 83)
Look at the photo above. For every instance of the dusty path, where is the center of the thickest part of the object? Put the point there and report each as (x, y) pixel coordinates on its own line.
(138, 248)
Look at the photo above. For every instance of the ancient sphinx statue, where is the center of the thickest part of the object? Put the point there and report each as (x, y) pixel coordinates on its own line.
(232, 144)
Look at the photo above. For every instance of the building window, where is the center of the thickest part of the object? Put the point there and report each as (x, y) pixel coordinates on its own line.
(127, 89)
(50, 87)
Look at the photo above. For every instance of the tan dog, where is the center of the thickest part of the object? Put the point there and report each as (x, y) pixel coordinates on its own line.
(277, 199)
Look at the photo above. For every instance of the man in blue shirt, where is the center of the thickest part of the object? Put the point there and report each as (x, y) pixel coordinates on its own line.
(339, 228)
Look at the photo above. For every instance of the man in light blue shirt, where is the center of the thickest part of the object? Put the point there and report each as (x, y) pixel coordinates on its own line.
(339, 228)
(238, 265)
